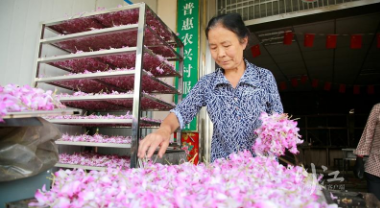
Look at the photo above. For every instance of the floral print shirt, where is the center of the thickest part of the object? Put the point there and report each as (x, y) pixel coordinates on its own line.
(233, 111)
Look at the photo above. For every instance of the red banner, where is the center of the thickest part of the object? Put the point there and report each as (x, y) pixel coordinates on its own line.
(294, 82)
(282, 85)
(342, 88)
(288, 38)
(314, 83)
(304, 79)
(309, 40)
(327, 86)
(190, 143)
(331, 41)
(356, 89)
(255, 50)
(371, 89)
(356, 41)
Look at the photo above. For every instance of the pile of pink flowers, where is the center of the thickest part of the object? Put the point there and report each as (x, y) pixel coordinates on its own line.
(93, 159)
(15, 98)
(276, 134)
(240, 181)
(97, 138)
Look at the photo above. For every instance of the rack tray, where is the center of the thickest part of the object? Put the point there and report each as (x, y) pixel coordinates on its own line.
(93, 144)
(115, 80)
(115, 37)
(115, 17)
(114, 102)
(103, 122)
(84, 167)
(29, 114)
(111, 59)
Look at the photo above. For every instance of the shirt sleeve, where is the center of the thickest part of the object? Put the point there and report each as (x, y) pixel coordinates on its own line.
(274, 104)
(190, 106)
(365, 142)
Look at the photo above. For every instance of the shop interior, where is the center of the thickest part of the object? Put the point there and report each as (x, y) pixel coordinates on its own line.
(330, 91)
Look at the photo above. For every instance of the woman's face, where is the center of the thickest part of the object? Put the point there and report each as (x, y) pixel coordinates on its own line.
(226, 47)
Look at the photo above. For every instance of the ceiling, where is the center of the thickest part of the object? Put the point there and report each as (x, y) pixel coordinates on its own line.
(341, 65)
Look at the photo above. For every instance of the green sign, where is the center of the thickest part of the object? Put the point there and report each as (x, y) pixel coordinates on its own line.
(187, 26)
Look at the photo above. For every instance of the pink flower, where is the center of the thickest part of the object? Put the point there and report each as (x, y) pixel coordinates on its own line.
(15, 99)
(276, 134)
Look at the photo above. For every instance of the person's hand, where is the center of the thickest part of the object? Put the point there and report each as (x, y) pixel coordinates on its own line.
(160, 138)
(359, 167)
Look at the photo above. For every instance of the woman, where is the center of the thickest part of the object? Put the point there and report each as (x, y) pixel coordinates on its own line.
(235, 94)
(369, 144)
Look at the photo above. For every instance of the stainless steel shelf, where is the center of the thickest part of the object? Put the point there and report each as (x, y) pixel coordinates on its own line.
(114, 37)
(112, 145)
(109, 59)
(102, 122)
(85, 167)
(87, 55)
(140, 43)
(124, 80)
(93, 144)
(29, 114)
(114, 102)
(95, 98)
(89, 33)
(97, 75)
(93, 16)
(90, 14)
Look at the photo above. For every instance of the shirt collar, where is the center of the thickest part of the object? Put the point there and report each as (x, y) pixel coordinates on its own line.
(250, 76)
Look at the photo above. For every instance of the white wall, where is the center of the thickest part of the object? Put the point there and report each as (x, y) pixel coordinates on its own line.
(19, 22)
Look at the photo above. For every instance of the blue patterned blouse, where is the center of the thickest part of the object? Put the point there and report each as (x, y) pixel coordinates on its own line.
(233, 111)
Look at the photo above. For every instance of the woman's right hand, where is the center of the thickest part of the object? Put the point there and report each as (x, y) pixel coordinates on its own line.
(148, 145)
(159, 138)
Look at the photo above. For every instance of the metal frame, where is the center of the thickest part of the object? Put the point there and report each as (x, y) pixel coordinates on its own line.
(102, 122)
(110, 30)
(136, 123)
(87, 55)
(62, 20)
(93, 144)
(84, 167)
(136, 111)
(31, 114)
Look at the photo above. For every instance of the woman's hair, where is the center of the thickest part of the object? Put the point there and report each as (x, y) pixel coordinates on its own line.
(232, 22)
